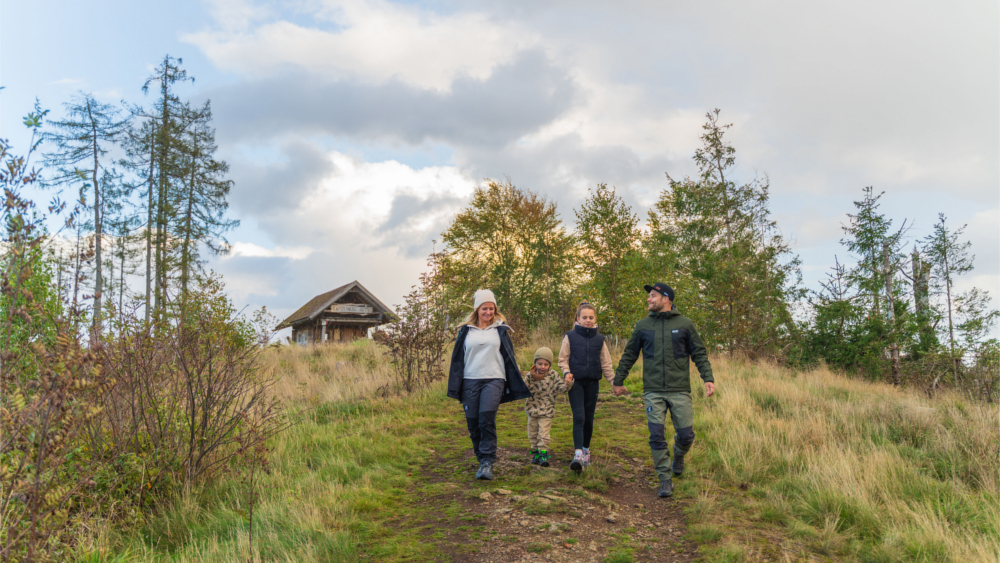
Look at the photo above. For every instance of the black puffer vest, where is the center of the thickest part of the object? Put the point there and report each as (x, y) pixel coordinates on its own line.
(585, 347)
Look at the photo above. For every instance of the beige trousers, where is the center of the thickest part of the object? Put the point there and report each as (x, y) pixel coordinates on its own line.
(538, 431)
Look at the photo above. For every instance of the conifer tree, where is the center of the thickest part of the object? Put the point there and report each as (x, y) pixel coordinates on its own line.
(949, 257)
(721, 237)
(170, 118)
(202, 201)
(140, 159)
(610, 240)
(82, 141)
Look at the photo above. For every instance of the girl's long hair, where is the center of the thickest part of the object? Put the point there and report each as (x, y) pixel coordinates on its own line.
(473, 318)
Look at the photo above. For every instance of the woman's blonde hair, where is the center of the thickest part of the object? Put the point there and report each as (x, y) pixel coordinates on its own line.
(473, 318)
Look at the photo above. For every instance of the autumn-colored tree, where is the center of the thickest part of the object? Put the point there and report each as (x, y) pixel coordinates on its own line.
(512, 241)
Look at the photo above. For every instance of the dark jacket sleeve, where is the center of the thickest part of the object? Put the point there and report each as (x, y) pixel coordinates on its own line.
(700, 356)
(629, 357)
(456, 372)
(514, 388)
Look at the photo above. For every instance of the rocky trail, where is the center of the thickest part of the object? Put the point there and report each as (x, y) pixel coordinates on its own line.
(610, 513)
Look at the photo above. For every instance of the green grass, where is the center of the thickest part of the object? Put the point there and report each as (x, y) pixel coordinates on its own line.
(786, 465)
(619, 557)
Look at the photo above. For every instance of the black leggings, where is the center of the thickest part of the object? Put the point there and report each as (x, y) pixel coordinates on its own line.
(583, 401)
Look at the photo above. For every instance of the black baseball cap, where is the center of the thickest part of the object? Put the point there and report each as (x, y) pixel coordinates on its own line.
(661, 288)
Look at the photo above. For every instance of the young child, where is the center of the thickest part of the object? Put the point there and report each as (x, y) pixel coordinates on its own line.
(544, 383)
(584, 356)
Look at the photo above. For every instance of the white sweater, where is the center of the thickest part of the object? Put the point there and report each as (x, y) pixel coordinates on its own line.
(482, 353)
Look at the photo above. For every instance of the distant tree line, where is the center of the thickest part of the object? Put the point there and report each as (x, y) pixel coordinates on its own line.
(894, 314)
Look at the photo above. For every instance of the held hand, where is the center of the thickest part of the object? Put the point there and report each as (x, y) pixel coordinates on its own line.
(619, 390)
(709, 388)
(569, 379)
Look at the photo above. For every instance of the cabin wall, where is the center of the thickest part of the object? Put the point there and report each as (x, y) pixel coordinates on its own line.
(340, 325)
(313, 333)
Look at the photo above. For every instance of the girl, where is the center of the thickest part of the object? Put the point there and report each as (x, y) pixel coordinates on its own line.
(484, 374)
(584, 357)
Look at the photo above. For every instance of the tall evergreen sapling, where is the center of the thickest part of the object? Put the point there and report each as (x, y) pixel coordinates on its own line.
(82, 143)
(721, 236)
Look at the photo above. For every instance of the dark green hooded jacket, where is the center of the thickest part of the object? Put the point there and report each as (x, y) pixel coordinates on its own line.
(666, 341)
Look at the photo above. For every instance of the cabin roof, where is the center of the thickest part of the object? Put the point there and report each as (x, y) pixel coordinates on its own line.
(318, 304)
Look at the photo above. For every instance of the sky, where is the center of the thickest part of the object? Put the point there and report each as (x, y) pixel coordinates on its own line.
(356, 129)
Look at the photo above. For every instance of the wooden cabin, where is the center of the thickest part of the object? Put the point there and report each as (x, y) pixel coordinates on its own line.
(341, 315)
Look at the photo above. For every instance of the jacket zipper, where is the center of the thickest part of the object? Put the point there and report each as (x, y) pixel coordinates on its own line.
(663, 352)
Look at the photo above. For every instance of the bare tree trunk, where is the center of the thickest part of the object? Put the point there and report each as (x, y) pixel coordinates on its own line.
(951, 329)
(76, 283)
(891, 310)
(59, 274)
(95, 331)
(149, 226)
(185, 250)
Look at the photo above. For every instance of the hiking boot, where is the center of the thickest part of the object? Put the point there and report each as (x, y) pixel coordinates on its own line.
(534, 457)
(586, 458)
(577, 463)
(543, 458)
(677, 467)
(485, 472)
(666, 487)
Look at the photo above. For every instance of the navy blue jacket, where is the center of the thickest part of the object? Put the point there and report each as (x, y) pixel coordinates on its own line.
(585, 345)
(514, 387)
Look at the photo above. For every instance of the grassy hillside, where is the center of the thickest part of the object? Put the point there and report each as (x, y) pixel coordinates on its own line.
(786, 467)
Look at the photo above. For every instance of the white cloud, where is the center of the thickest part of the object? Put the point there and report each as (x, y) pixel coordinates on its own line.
(375, 41)
(826, 99)
(361, 192)
(249, 249)
(237, 15)
(69, 82)
(371, 221)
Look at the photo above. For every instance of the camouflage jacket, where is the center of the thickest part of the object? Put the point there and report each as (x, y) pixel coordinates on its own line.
(543, 393)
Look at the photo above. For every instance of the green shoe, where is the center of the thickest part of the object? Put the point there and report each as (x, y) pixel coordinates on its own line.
(543, 458)
(534, 457)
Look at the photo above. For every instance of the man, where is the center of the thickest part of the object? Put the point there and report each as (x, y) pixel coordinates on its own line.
(666, 339)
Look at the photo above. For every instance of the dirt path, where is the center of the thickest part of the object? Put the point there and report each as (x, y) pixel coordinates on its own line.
(609, 514)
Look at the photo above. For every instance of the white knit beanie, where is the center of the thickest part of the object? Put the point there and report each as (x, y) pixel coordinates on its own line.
(484, 296)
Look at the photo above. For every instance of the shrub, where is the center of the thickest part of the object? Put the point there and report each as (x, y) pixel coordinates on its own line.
(416, 337)
(187, 396)
(47, 381)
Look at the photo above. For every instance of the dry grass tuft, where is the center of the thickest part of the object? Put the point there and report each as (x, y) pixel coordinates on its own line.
(329, 372)
(876, 471)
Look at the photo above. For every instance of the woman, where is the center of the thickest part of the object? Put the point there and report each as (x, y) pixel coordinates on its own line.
(483, 374)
